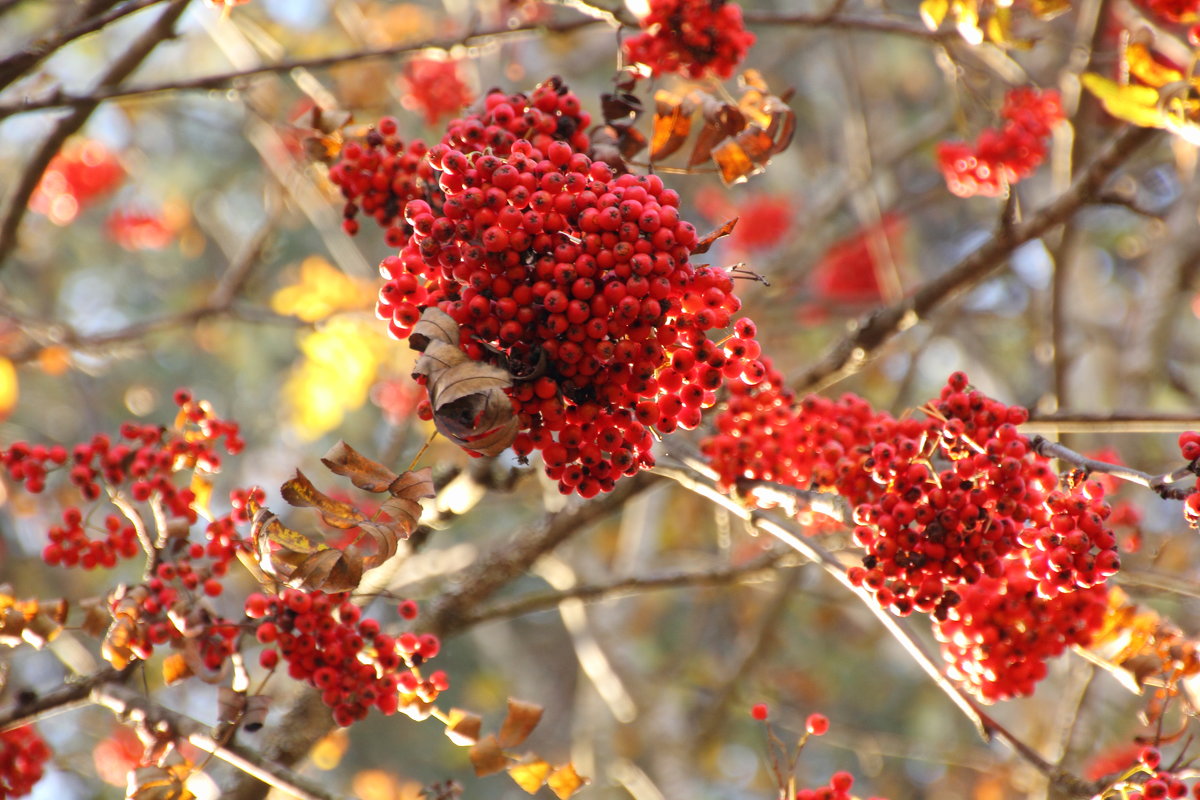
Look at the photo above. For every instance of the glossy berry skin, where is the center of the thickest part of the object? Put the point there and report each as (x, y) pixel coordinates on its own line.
(694, 38)
(1004, 156)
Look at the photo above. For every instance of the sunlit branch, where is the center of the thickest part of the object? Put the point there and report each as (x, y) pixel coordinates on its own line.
(1159, 484)
(65, 698)
(23, 188)
(871, 332)
(1110, 423)
(129, 705)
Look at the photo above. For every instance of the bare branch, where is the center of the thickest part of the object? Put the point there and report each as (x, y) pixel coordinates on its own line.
(873, 331)
(68, 696)
(1159, 484)
(123, 67)
(1117, 422)
(128, 704)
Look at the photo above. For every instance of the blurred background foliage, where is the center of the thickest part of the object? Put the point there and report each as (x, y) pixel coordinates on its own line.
(120, 291)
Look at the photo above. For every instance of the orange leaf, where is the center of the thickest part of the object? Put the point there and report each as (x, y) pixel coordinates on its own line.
(672, 123)
(565, 781)
(520, 721)
(342, 459)
(707, 242)
(175, 669)
(487, 758)
(462, 727)
(530, 775)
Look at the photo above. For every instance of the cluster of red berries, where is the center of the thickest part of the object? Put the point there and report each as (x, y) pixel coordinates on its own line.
(1185, 12)
(326, 642)
(942, 506)
(23, 756)
(435, 87)
(377, 176)
(146, 458)
(81, 172)
(1161, 783)
(692, 37)
(1001, 157)
(581, 278)
(838, 788)
(1189, 446)
(997, 638)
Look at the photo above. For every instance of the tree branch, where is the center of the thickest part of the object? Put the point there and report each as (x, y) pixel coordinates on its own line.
(129, 705)
(872, 331)
(1159, 484)
(64, 698)
(23, 188)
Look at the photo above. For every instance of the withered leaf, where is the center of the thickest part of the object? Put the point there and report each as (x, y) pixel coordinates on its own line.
(463, 727)
(414, 485)
(520, 721)
(435, 325)
(300, 492)
(530, 775)
(12, 623)
(565, 781)
(175, 669)
(230, 705)
(491, 443)
(620, 106)
(342, 459)
(672, 123)
(405, 512)
(265, 528)
(40, 630)
(195, 661)
(329, 571)
(486, 756)
(707, 242)
(255, 715)
(721, 120)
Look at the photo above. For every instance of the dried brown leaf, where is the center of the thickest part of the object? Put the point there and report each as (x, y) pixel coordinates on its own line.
(672, 123)
(300, 492)
(12, 623)
(435, 325)
(708, 241)
(486, 756)
(40, 630)
(530, 775)
(463, 727)
(721, 120)
(230, 705)
(257, 706)
(520, 721)
(491, 443)
(342, 459)
(565, 781)
(414, 485)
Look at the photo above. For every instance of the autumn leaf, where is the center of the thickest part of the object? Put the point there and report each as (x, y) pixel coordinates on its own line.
(342, 459)
(530, 775)
(463, 727)
(321, 291)
(933, 12)
(1135, 104)
(721, 120)
(175, 669)
(487, 758)
(672, 123)
(1147, 69)
(435, 325)
(565, 781)
(230, 705)
(520, 721)
(300, 492)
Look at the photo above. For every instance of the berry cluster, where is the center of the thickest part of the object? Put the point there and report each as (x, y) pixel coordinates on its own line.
(1002, 157)
(692, 37)
(581, 279)
(326, 642)
(378, 176)
(434, 86)
(1148, 780)
(1189, 446)
(23, 756)
(838, 788)
(997, 638)
(1185, 12)
(81, 172)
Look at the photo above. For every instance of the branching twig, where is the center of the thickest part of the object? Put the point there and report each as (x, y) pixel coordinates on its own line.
(128, 704)
(71, 695)
(123, 67)
(1159, 484)
(851, 353)
(1111, 423)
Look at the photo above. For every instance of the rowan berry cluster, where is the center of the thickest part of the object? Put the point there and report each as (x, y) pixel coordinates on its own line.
(691, 37)
(581, 279)
(1189, 446)
(838, 788)
(1147, 780)
(377, 176)
(81, 172)
(434, 86)
(1001, 157)
(23, 756)
(997, 638)
(326, 642)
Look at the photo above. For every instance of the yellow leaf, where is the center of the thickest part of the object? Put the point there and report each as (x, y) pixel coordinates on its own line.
(520, 721)
(933, 12)
(8, 387)
(530, 775)
(175, 668)
(1146, 69)
(322, 291)
(341, 362)
(565, 781)
(1135, 104)
(462, 727)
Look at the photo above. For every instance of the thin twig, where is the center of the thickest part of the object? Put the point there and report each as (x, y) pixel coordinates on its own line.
(66, 697)
(1117, 422)
(851, 353)
(128, 704)
(123, 67)
(1159, 484)
(754, 570)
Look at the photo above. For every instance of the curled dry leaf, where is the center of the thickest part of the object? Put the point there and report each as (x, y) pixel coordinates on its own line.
(371, 476)
(300, 492)
(709, 240)
(487, 757)
(31, 621)
(255, 715)
(469, 404)
(520, 721)
(175, 668)
(230, 705)
(463, 727)
(298, 560)
(672, 123)
(565, 781)
(530, 775)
